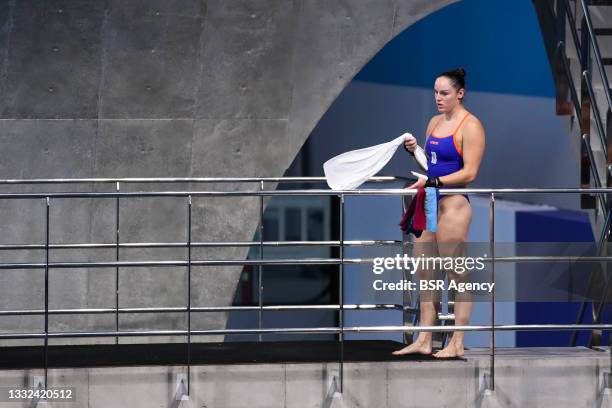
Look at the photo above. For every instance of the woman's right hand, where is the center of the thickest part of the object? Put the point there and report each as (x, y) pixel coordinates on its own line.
(410, 142)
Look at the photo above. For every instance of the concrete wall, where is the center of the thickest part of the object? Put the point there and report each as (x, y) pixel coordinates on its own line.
(542, 377)
(163, 88)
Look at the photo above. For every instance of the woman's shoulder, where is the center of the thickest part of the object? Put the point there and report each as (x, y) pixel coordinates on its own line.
(472, 122)
(433, 120)
(472, 128)
(432, 124)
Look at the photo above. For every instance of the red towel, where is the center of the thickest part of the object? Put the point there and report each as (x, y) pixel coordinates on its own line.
(416, 209)
(420, 221)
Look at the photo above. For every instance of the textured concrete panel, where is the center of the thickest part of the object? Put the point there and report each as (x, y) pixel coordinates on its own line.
(130, 386)
(150, 66)
(135, 9)
(239, 148)
(239, 386)
(46, 149)
(365, 385)
(428, 383)
(247, 59)
(307, 384)
(68, 378)
(143, 148)
(6, 9)
(541, 390)
(54, 59)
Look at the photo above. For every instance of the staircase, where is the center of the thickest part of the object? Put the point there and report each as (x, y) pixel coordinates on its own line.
(600, 13)
(578, 38)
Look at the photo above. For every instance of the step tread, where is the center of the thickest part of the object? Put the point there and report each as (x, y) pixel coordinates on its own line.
(596, 3)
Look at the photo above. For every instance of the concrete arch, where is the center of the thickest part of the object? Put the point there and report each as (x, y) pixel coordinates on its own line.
(199, 88)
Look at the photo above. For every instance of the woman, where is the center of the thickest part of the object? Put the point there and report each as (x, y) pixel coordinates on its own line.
(454, 148)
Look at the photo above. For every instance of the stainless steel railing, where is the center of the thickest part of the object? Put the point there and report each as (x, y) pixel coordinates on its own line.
(47, 265)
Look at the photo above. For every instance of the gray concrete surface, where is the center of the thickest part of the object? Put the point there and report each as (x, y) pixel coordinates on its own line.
(200, 88)
(526, 377)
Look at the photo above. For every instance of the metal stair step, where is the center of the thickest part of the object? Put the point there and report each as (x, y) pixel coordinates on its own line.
(601, 13)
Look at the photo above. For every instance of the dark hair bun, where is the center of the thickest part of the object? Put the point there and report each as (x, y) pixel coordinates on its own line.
(457, 77)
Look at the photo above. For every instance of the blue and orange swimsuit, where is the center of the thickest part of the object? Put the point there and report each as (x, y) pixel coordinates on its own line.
(444, 155)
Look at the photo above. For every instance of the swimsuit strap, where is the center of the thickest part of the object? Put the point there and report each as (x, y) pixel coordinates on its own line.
(459, 150)
(461, 123)
(456, 129)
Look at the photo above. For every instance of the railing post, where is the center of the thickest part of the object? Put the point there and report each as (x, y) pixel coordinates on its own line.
(189, 296)
(492, 293)
(341, 294)
(46, 351)
(260, 267)
(117, 260)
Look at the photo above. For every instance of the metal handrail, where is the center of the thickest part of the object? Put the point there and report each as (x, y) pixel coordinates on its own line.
(310, 330)
(572, 24)
(601, 197)
(237, 244)
(585, 139)
(276, 262)
(578, 113)
(593, 41)
(590, 92)
(186, 180)
(313, 192)
(570, 80)
(596, 113)
(204, 309)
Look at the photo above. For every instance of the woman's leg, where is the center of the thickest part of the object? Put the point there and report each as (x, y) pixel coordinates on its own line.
(424, 245)
(453, 225)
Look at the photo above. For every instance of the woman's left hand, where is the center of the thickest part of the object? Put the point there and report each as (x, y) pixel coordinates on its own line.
(420, 181)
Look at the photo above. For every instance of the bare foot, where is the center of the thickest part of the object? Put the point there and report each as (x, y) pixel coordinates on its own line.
(450, 351)
(415, 348)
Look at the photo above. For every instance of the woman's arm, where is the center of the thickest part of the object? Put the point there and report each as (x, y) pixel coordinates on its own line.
(473, 150)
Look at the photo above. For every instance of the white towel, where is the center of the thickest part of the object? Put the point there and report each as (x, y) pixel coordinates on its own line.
(349, 170)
